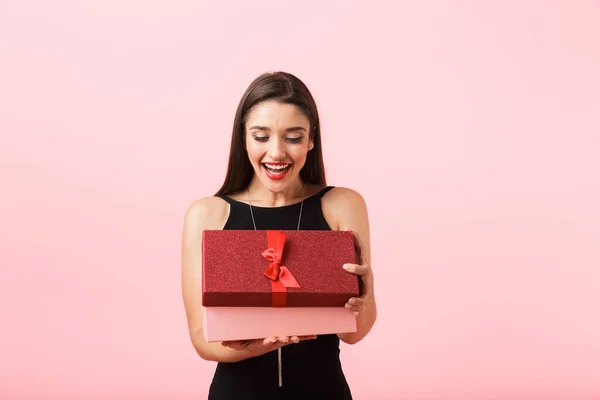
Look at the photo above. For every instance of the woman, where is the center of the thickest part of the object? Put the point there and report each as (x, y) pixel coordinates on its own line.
(276, 180)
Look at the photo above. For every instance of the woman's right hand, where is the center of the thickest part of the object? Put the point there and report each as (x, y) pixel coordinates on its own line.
(262, 346)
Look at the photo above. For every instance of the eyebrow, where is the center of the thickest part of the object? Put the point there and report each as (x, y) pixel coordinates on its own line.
(264, 128)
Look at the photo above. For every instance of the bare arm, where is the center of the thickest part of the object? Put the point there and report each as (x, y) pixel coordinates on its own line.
(201, 215)
(347, 210)
(208, 214)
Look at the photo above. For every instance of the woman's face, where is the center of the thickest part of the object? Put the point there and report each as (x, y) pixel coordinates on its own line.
(277, 141)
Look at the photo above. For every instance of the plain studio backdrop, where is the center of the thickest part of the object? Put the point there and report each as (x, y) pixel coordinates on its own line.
(471, 129)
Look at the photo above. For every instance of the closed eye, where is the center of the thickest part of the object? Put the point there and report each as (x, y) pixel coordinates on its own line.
(263, 139)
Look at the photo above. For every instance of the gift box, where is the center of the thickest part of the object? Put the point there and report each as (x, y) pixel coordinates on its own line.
(247, 323)
(277, 268)
(257, 284)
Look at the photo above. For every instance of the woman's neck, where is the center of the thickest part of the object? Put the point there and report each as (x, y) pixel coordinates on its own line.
(259, 195)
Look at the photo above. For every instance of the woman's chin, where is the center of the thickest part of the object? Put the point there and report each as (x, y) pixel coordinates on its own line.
(276, 186)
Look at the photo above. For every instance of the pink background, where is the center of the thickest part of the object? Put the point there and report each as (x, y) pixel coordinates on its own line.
(471, 128)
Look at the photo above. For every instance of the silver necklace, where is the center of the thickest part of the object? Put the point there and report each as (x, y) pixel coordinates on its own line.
(252, 213)
(279, 363)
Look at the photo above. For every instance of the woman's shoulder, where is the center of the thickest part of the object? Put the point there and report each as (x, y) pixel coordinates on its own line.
(340, 196)
(331, 192)
(207, 213)
(341, 206)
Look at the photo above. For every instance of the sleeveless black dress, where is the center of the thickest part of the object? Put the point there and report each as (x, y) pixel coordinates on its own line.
(311, 369)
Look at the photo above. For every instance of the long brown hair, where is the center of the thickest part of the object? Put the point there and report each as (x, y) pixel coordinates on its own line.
(285, 88)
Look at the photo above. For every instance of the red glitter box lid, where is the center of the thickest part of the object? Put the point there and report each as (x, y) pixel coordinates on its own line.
(234, 266)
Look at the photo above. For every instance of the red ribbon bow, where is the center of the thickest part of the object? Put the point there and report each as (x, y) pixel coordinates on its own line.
(281, 277)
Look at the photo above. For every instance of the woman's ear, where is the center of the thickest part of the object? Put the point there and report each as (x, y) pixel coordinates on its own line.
(311, 142)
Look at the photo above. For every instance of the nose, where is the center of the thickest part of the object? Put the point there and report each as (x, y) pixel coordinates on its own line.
(277, 149)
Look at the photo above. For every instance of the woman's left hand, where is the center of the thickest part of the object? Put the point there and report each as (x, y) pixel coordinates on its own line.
(358, 304)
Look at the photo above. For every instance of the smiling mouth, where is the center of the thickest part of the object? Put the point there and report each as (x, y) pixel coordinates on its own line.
(276, 171)
(276, 168)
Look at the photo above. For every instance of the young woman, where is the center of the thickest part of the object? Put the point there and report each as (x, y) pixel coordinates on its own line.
(276, 180)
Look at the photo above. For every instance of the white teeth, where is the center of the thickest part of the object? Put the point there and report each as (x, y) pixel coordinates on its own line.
(281, 167)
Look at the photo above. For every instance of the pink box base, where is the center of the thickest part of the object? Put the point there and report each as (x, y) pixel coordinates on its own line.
(245, 323)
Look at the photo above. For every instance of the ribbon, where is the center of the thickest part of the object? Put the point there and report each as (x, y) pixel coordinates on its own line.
(281, 277)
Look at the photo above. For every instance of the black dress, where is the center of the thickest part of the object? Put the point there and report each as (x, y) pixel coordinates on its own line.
(311, 369)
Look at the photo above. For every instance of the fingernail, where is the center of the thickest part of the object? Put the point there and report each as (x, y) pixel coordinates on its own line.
(348, 305)
(346, 267)
(352, 301)
(355, 313)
